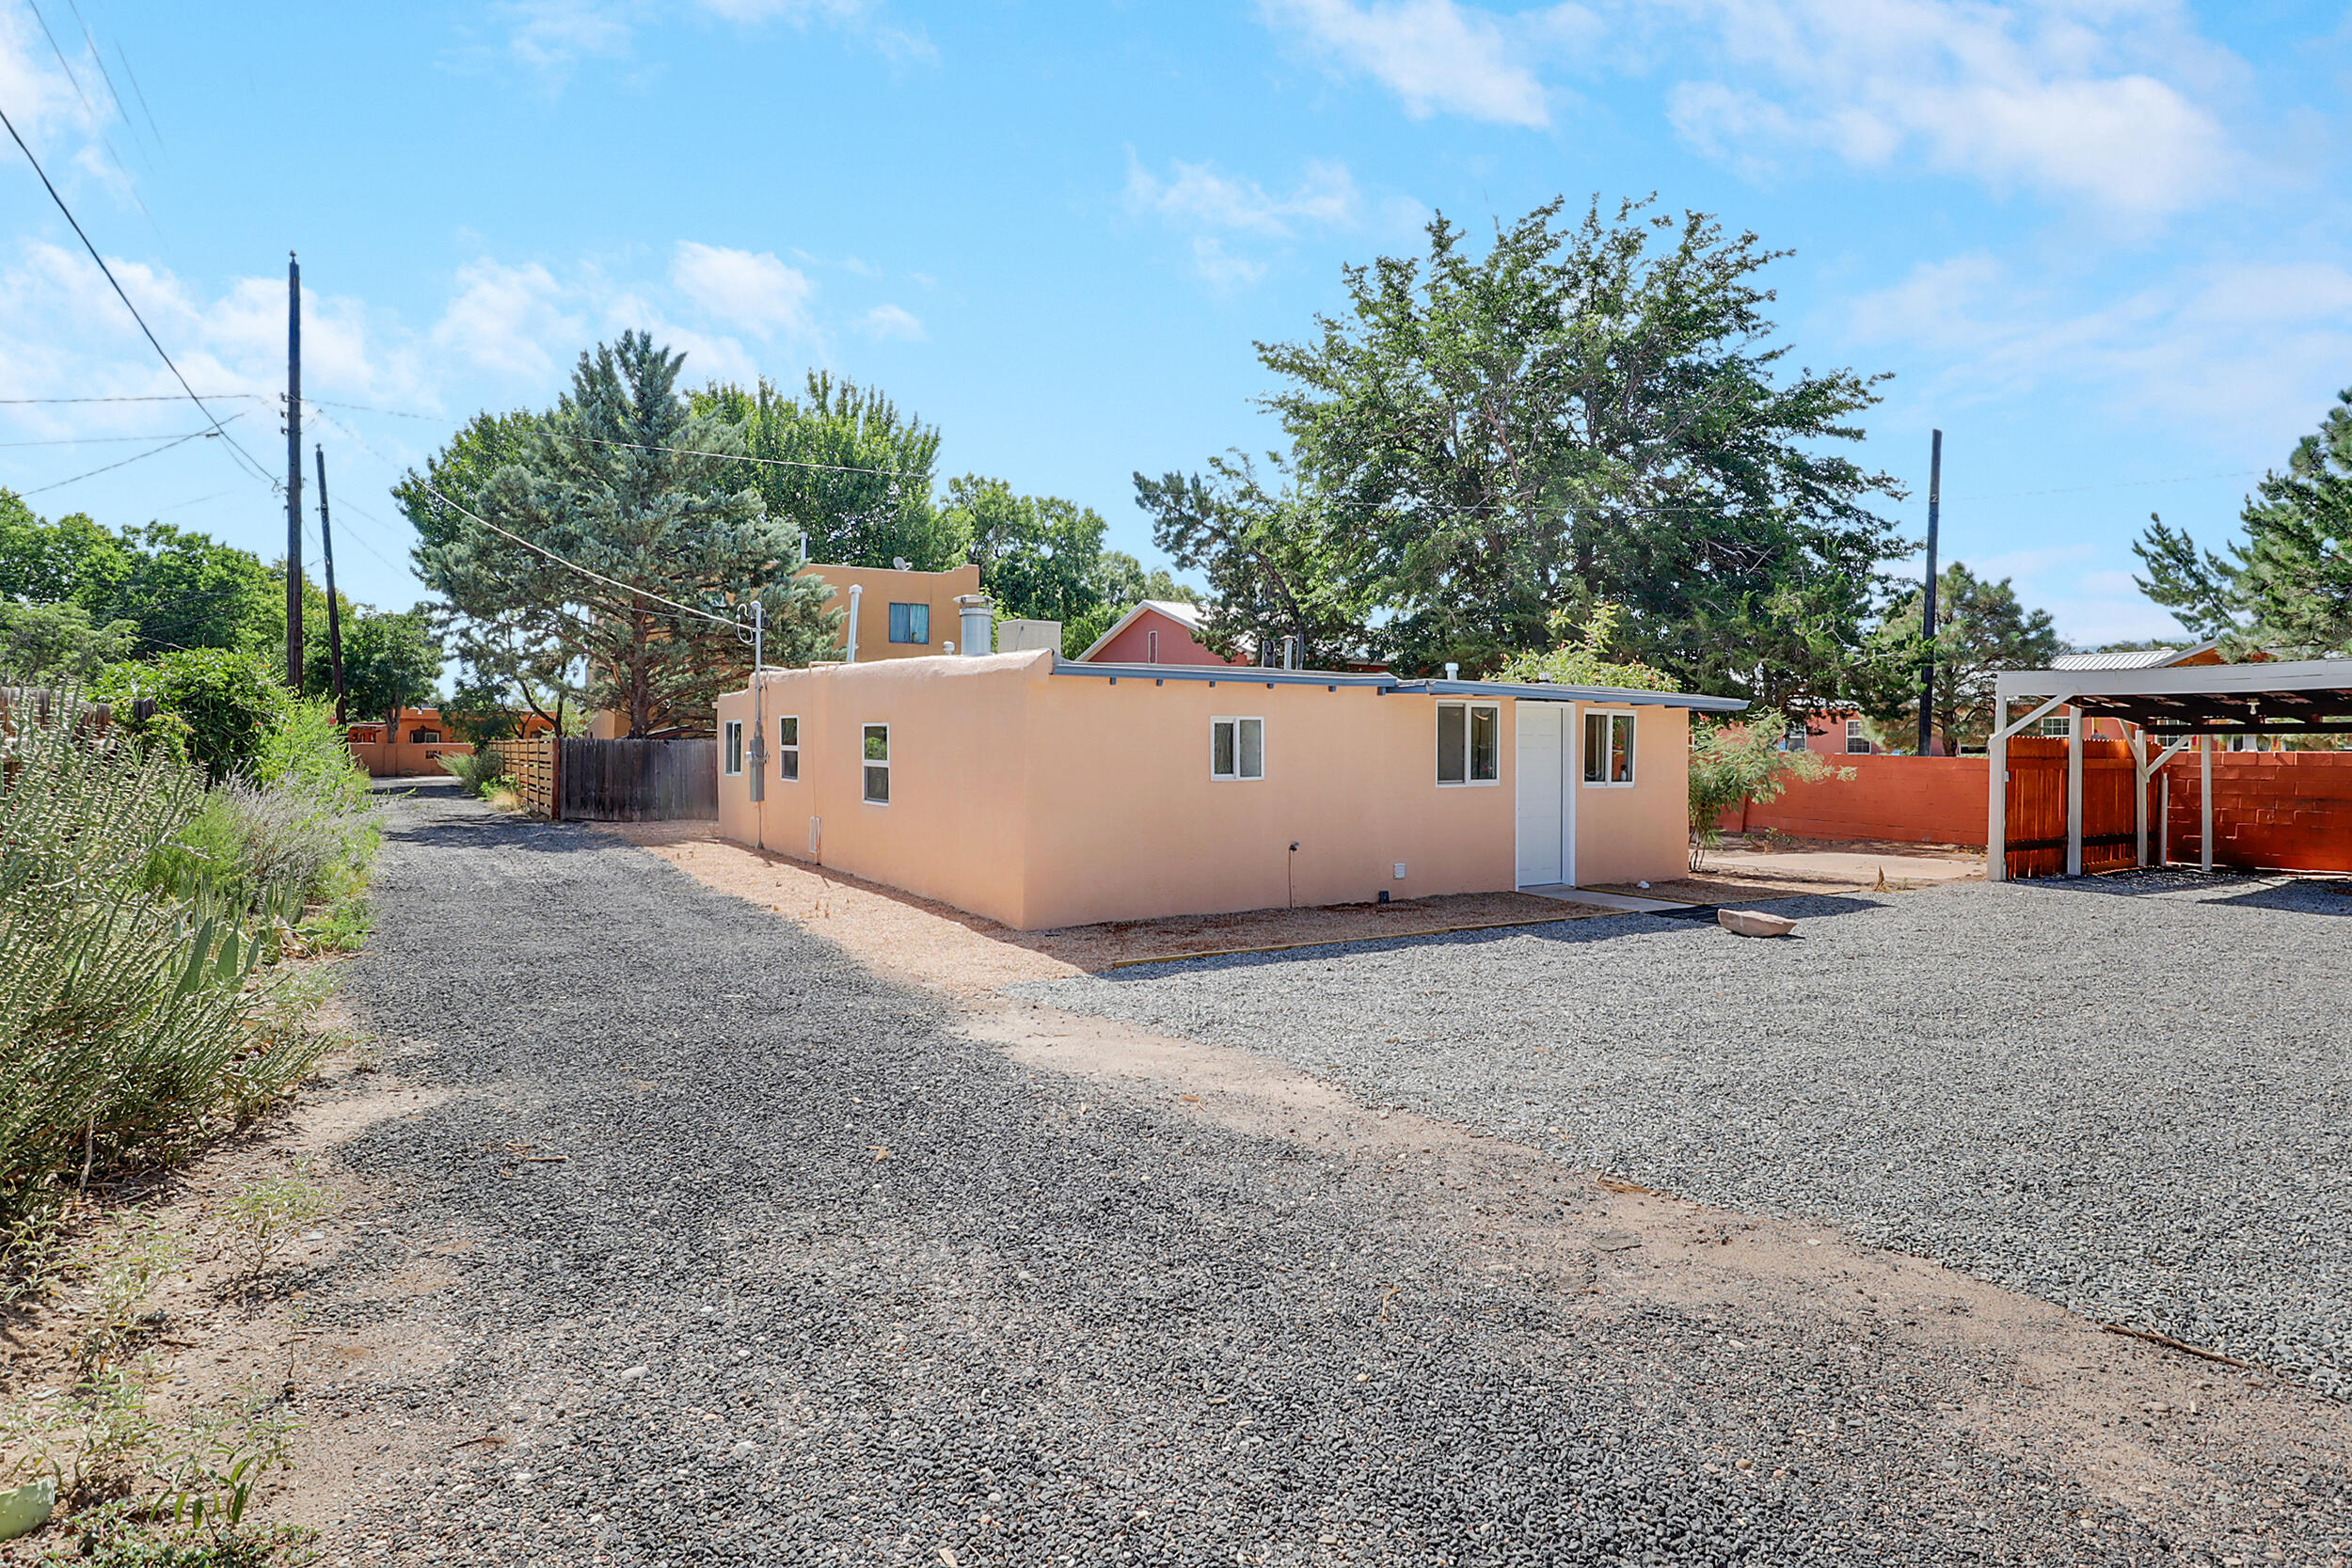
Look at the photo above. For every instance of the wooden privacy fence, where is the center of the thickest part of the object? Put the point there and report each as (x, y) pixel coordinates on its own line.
(2037, 806)
(577, 780)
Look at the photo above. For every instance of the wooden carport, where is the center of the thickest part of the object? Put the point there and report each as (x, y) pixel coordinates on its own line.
(2173, 707)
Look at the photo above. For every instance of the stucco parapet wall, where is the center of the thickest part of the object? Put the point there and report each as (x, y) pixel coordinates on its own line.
(1534, 691)
(1036, 662)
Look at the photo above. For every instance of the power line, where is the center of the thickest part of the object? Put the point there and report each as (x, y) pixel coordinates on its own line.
(196, 436)
(108, 271)
(740, 457)
(101, 440)
(599, 576)
(2113, 485)
(151, 397)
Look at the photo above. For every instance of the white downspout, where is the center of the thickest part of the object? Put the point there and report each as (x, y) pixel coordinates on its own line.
(857, 590)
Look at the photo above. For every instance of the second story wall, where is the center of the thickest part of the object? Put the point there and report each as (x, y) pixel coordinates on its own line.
(900, 614)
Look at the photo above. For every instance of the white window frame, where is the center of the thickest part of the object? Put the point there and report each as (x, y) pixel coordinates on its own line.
(867, 766)
(788, 753)
(731, 748)
(1632, 748)
(1857, 733)
(2057, 727)
(1237, 721)
(1151, 645)
(1470, 747)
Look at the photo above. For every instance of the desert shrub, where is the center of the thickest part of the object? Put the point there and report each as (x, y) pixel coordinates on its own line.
(1740, 762)
(130, 1013)
(482, 772)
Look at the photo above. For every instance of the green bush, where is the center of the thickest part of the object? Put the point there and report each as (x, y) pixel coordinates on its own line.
(218, 708)
(481, 772)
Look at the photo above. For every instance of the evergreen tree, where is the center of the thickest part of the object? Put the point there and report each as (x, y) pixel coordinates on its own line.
(1980, 630)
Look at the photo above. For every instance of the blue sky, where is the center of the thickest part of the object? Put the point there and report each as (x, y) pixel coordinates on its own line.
(2104, 245)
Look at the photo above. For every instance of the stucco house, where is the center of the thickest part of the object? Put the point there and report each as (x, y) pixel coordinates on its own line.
(1044, 792)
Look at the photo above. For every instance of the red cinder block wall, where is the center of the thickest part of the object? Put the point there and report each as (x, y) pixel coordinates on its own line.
(2286, 810)
(2282, 810)
(1908, 799)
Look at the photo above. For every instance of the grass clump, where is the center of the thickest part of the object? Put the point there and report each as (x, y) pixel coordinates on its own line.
(482, 772)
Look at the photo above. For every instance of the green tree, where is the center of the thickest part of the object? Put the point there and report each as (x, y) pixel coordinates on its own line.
(1279, 563)
(71, 560)
(1586, 656)
(1124, 582)
(845, 468)
(1041, 558)
(58, 644)
(390, 662)
(189, 589)
(1742, 762)
(1587, 412)
(1980, 630)
(2286, 581)
(624, 484)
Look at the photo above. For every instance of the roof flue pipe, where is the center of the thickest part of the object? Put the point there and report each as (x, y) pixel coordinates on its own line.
(977, 618)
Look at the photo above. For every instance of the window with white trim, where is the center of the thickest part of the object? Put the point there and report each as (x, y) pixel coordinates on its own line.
(734, 747)
(876, 762)
(1236, 749)
(1857, 738)
(788, 748)
(1151, 647)
(1470, 743)
(2058, 725)
(1608, 750)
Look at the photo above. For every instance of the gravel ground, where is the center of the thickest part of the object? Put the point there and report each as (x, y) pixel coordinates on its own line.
(824, 1280)
(2130, 1096)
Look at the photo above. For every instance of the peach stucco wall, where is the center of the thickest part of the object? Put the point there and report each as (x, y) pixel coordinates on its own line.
(1043, 801)
(883, 585)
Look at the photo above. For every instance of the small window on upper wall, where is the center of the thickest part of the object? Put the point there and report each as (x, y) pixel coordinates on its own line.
(877, 763)
(1236, 748)
(732, 745)
(1607, 749)
(788, 749)
(1857, 738)
(910, 623)
(1151, 647)
(2058, 725)
(1470, 743)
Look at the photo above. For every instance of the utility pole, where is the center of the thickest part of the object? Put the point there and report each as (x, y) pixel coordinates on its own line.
(334, 614)
(1927, 612)
(294, 472)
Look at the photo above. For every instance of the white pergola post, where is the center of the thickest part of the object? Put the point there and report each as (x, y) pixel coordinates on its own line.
(2139, 796)
(2074, 791)
(2205, 803)
(1996, 808)
(2164, 817)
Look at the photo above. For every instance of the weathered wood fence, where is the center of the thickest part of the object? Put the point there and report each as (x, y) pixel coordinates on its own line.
(2037, 806)
(577, 780)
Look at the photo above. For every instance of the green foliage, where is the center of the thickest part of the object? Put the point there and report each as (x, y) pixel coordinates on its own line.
(870, 502)
(1279, 562)
(1741, 762)
(121, 1539)
(179, 588)
(217, 706)
(482, 772)
(131, 1015)
(1586, 412)
(1980, 630)
(2286, 583)
(1041, 558)
(58, 644)
(616, 480)
(1589, 659)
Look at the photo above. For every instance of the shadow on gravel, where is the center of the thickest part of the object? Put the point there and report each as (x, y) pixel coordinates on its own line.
(1584, 932)
(2242, 890)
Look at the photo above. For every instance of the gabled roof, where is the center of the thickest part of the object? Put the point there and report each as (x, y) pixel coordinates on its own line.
(2137, 658)
(1185, 615)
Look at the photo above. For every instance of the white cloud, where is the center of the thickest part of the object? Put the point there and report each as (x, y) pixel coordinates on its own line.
(552, 35)
(1438, 55)
(510, 319)
(1196, 195)
(2231, 353)
(886, 322)
(2090, 101)
(753, 291)
(1213, 262)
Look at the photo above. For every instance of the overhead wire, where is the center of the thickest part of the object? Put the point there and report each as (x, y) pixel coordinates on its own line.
(80, 233)
(135, 457)
(573, 566)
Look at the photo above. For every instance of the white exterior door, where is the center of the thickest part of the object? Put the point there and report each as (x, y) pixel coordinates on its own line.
(1544, 854)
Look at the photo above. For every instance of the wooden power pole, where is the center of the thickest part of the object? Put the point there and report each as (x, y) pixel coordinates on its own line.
(1927, 608)
(294, 472)
(334, 612)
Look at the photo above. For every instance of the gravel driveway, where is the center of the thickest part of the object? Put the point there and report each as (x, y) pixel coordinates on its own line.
(820, 1279)
(2131, 1096)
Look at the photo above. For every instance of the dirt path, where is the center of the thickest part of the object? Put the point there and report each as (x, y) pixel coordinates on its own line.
(708, 1242)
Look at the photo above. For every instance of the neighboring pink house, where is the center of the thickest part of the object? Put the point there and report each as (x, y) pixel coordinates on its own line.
(1155, 631)
(1044, 792)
